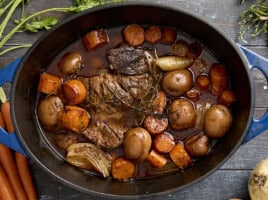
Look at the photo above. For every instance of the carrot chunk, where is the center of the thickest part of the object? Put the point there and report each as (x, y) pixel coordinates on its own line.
(134, 34)
(122, 169)
(156, 159)
(95, 39)
(180, 157)
(49, 84)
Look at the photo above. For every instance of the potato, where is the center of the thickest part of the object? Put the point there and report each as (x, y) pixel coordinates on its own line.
(182, 114)
(176, 83)
(218, 121)
(137, 144)
(70, 63)
(49, 110)
(197, 145)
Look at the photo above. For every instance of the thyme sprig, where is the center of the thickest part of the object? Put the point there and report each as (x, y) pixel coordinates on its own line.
(254, 20)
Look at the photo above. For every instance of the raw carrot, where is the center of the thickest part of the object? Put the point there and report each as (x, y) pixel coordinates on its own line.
(6, 192)
(8, 163)
(7, 160)
(2, 123)
(25, 175)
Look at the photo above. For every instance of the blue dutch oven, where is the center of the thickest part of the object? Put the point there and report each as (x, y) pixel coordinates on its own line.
(24, 75)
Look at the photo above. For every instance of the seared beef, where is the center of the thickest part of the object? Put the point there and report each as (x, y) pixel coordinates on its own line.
(138, 86)
(127, 60)
(106, 130)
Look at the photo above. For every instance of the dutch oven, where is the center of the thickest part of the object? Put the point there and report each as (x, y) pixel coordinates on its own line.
(24, 73)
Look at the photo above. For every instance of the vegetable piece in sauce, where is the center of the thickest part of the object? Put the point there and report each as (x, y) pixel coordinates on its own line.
(74, 92)
(49, 110)
(155, 125)
(49, 84)
(164, 142)
(195, 50)
(122, 169)
(171, 63)
(89, 156)
(218, 121)
(95, 39)
(134, 34)
(153, 34)
(180, 48)
(202, 82)
(74, 118)
(180, 156)
(197, 145)
(227, 98)
(156, 159)
(159, 104)
(137, 144)
(65, 140)
(169, 35)
(182, 114)
(70, 63)
(193, 94)
(176, 83)
(219, 79)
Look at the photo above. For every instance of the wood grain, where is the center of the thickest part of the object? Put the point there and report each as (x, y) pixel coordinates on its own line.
(231, 179)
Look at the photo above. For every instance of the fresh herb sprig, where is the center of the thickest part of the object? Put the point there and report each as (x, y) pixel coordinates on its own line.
(36, 22)
(254, 20)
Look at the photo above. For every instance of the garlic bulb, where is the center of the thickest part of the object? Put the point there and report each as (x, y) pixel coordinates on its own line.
(258, 181)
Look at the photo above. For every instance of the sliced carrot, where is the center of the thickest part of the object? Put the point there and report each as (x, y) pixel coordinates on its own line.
(164, 142)
(180, 157)
(49, 84)
(156, 159)
(74, 91)
(74, 118)
(153, 34)
(169, 35)
(227, 98)
(202, 82)
(122, 169)
(95, 39)
(6, 192)
(134, 34)
(155, 125)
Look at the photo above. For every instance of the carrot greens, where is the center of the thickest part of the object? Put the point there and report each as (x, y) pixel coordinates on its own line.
(35, 22)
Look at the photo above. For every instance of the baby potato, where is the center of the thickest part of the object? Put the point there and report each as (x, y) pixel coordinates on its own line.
(70, 63)
(176, 83)
(197, 145)
(137, 144)
(218, 121)
(182, 114)
(49, 110)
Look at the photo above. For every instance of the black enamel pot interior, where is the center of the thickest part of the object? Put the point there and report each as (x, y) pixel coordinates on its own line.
(24, 96)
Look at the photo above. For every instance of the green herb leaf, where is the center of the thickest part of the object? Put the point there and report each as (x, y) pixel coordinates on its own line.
(38, 24)
(254, 20)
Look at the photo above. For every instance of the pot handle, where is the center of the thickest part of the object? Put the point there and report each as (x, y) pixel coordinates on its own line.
(10, 139)
(256, 61)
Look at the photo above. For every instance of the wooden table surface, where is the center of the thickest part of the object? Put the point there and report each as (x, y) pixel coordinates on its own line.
(228, 181)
